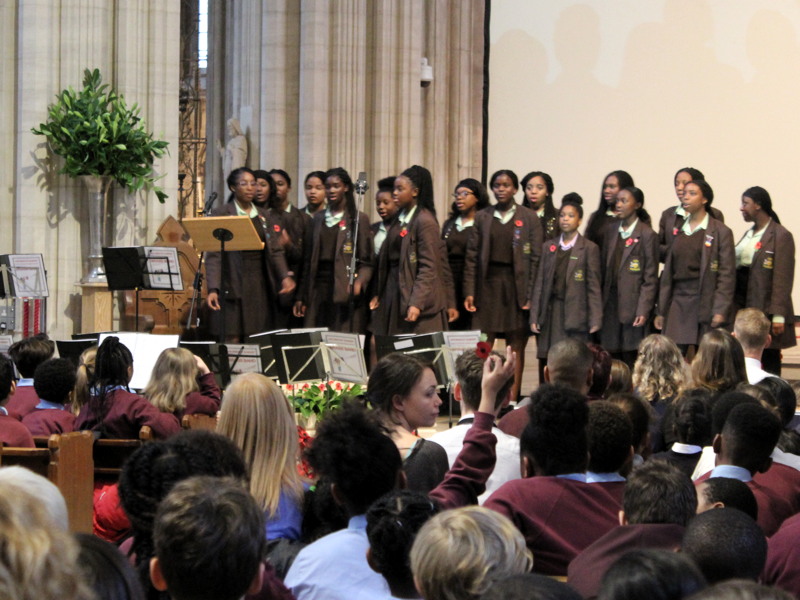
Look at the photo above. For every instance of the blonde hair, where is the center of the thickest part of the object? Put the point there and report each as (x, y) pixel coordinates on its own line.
(459, 554)
(659, 371)
(84, 374)
(258, 418)
(37, 559)
(751, 327)
(174, 377)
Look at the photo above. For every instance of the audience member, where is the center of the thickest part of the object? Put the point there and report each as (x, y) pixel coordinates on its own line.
(719, 363)
(182, 384)
(691, 426)
(752, 328)
(467, 392)
(601, 372)
(658, 502)
(53, 381)
(639, 412)
(84, 375)
(28, 354)
(113, 410)
(783, 557)
(651, 574)
(725, 544)
(459, 554)
(741, 589)
(620, 379)
(610, 435)
(721, 492)
(569, 364)
(393, 522)
(37, 559)
(106, 571)
(42, 488)
(209, 541)
(12, 432)
(659, 375)
(555, 509)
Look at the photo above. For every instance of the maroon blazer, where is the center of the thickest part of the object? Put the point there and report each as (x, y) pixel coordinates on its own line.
(669, 222)
(205, 401)
(421, 265)
(585, 573)
(637, 277)
(527, 245)
(276, 259)
(23, 401)
(14, 434)
(769, 287)
(717, 275)
(559, 517)
(583, 306)
(126, 414)
(783, 558)
(344, 256)
(47, 421)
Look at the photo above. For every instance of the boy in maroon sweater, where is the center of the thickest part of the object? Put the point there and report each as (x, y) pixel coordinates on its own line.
(12, 432)
(28, 354)
(53, 381)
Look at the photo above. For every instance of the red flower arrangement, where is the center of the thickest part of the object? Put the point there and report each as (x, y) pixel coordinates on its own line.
(482, 350)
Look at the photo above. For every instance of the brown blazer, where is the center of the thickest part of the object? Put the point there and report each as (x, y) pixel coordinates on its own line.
(420, 266)
(344, 255)
(527, 252)
(637, 278)
(277, 269)
(769, 287)
(296, 223)
(583, 306)
(669, 222)
(717, 275)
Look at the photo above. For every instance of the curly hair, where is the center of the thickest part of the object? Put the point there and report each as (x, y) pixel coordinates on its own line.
(152, 471)
(659, 372)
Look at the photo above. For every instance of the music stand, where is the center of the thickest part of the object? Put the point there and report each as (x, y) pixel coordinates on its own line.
(134, 268)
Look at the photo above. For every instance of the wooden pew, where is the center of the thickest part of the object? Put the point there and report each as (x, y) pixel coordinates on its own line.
(206, 422)
(67, 462)
(110, 455)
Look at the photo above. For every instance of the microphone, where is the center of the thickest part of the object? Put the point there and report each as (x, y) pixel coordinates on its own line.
(209, 203)
(361, 185)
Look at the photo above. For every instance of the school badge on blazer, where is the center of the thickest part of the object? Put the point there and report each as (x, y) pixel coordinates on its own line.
(714, 265)
(526, 248)
(579, 276)
(768, 263)
(412, 257)
(635, 266)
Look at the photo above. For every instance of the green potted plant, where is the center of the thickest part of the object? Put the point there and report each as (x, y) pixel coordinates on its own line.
(313, 401)
(101, 140)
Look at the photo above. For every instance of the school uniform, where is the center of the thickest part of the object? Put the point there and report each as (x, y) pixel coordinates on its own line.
(630, 284)
(548, 219)
(206, 400)
(697, 282)
(324, 285)
(599, 221)
(49, 418)
(764, 278)
(252, 278)
(126, 414)
(559, 517)
(585, 573)
(670, 224)
(13, 433)
(24, 399)
(782, 568)
(567, 296)
(296, 224)
(502, 261)
(409, 272)
(456, 237)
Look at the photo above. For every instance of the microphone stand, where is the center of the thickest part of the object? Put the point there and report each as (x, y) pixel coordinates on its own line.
(361, 188)
(197, 285)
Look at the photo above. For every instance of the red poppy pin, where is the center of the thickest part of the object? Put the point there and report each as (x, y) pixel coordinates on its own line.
(553, 248)
(631, 241)
(675, 231)
(758, 245)
(518, 223)
(341, 224)
(277, 228)
(482, 350)
(403, 232)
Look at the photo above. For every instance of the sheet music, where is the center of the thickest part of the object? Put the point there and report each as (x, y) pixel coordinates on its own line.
(345, 354)
(244, 358)
(163, 268)
(146, 348)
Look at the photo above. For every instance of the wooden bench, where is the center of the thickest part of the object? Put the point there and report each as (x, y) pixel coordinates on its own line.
(110, 455)
(67, 462)
(199, 422)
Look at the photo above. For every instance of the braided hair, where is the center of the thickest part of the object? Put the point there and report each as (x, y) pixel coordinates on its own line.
(112, 365)
(154, 469)
(421, 178)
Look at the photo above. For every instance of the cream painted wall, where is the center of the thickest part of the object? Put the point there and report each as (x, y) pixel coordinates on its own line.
(583, 87)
